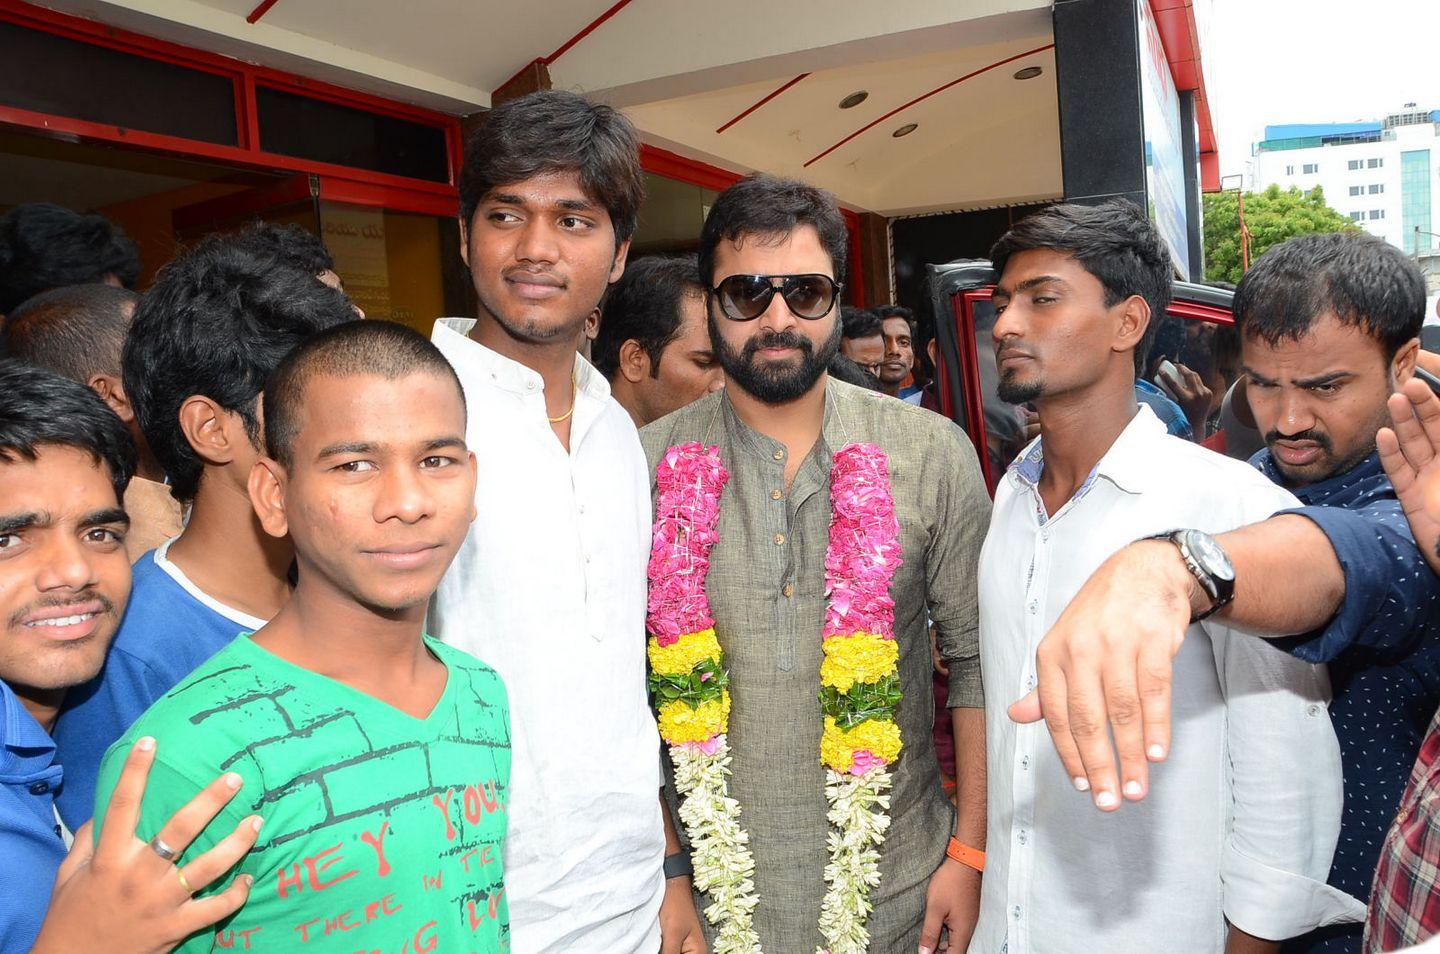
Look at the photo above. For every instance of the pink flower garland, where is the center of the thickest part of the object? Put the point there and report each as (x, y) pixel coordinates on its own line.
(688, 482)
(864, 549)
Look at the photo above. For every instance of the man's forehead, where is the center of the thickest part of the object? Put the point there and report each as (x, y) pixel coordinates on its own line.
(59, 480)
(1039, 263)
(554, 185)
(1328, 341)
(373, 409)
(802, 240)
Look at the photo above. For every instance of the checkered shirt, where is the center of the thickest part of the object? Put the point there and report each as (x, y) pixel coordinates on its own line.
(1405, 905)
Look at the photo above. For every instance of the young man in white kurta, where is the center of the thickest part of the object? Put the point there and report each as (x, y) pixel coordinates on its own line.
(549, 588)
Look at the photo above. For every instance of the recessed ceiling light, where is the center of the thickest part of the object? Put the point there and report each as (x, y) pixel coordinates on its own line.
(1029, 72)
(854, 99)
(905, 130)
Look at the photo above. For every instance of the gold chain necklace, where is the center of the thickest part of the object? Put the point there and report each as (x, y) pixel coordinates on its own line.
(574, 393)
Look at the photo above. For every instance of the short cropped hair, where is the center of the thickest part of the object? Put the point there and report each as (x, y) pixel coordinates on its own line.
(216, 323)
(76, 330)
(1362, 280)
(557, 131)
(644, 305)
(384, 348)
(1113, 241)
(291, 244)
(39, 408)
(765, 207)
(44, 246)
(897, 311)
(858, 323)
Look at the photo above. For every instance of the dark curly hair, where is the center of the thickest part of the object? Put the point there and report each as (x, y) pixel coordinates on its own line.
(44, 246)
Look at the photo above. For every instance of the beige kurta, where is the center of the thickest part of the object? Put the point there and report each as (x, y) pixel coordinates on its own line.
(767, 593)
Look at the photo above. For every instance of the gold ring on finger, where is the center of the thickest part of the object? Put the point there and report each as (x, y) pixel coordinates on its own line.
(183, 883)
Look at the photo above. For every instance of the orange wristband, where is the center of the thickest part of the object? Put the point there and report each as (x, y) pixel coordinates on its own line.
(967, 856)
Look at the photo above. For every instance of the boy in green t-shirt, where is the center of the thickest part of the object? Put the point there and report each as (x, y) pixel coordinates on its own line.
(378, 757)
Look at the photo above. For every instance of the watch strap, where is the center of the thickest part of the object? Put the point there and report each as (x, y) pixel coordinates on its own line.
(957, 850)
(678, 865)
(1220, 592)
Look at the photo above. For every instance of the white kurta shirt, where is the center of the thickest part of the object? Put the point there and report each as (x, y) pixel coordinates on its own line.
(549, 589)
(1241, 820)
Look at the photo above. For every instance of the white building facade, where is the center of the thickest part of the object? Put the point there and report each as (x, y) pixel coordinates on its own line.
(1385, 176)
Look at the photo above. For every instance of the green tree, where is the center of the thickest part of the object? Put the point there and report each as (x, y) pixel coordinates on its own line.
(1272, 216)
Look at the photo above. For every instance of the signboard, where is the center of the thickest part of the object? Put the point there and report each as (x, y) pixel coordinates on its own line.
(1164, 160)
(356, 240)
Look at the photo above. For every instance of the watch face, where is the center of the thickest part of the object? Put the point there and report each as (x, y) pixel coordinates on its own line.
(1208, 554)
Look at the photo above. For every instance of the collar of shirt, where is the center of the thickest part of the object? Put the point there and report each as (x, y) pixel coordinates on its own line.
(814, 471)
(26, 750)
(1128, 464)
(510, 375)
(1367, 470)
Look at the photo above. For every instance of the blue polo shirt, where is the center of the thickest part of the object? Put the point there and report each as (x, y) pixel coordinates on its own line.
(170, 627)
(30, 845)
(1383, 653)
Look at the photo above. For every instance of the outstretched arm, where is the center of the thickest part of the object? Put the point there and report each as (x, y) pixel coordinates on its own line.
(1105, 666)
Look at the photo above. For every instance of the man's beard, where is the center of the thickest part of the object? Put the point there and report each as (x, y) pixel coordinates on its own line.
(1012, 391)
(534, 332)
(778, 383)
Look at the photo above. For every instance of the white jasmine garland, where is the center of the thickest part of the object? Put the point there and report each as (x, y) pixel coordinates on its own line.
(859, 817)
(720, 847)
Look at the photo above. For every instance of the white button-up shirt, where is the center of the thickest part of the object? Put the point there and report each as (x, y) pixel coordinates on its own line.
(549, 589)
(1241, 820)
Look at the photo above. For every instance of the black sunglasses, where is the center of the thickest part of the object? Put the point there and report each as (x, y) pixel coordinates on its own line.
(745, 297)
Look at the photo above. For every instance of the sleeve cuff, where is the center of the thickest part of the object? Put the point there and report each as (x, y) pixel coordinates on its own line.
(1367, 568)
(966, 691)
(1273, 904)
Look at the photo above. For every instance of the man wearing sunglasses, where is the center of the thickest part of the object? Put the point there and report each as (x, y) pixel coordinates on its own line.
(772, 255)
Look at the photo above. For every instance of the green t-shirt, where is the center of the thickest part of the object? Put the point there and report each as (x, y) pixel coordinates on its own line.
(383, 833)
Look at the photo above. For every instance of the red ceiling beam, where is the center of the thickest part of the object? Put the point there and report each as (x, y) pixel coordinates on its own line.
(939, 89)
(762, 102)
(565, 47)
(262, 8)
(588, 29)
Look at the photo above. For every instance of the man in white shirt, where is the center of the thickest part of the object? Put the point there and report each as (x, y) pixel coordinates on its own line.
(549, 586)
(1231, 847)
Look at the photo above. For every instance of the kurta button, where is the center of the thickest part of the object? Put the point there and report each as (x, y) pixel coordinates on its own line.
(776, 495)
(788, 591)
(779, 539)
(779, 455)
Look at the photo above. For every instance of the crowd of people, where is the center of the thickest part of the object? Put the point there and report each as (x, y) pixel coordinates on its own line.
(323, 635)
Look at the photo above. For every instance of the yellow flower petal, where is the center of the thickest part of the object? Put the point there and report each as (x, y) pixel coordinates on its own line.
(863, 657)
(681, 656)
(680, 723)
(881, 737)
